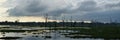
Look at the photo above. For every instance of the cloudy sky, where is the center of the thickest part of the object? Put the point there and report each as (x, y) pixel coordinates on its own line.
(100, 10)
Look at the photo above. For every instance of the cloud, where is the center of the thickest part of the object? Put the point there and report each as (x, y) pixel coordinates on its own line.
(104, 16)
(85, 9)
(88, 6)
(27, 8)
(113, 5)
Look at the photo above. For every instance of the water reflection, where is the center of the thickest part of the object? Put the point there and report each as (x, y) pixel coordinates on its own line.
(30, 33)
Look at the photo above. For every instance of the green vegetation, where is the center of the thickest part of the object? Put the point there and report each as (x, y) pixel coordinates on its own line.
(95, 32)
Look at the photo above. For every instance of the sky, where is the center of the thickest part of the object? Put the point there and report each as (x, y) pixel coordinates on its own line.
(89, 10)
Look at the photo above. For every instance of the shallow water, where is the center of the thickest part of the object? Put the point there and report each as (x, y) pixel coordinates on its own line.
(38, 35)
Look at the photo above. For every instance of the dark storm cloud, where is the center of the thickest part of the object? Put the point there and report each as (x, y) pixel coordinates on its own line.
(88, 6)
(103, 16)
(32, 8)
(112, 5)
(36, 8)
(86, 9)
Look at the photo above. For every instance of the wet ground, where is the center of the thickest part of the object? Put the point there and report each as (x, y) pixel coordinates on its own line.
(39, 33)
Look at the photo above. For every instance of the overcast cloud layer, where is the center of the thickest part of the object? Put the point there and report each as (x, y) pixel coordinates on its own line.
(101, 10)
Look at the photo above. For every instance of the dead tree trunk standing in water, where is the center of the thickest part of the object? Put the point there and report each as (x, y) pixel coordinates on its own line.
(45, 23)
(71, 21)
(46, 19)
(63, 21)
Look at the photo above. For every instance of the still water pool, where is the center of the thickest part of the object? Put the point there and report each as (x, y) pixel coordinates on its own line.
(40, 34)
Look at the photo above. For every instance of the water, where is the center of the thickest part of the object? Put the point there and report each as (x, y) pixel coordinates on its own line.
(38, 35)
